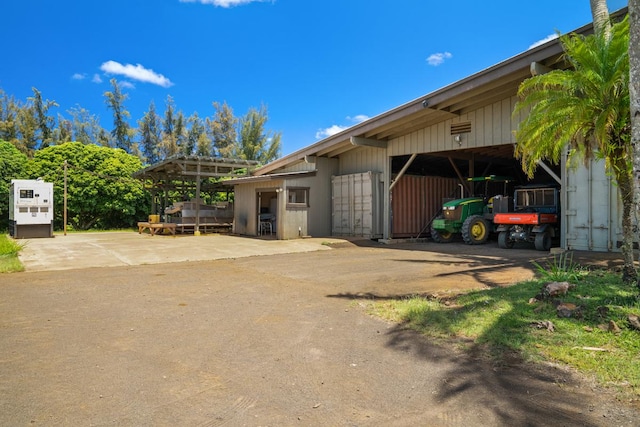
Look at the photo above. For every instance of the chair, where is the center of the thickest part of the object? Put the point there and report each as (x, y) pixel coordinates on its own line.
(266, 227)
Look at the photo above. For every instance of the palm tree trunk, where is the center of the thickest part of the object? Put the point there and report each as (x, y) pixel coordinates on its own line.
(600, 14)
(624, 179)
(634, 95)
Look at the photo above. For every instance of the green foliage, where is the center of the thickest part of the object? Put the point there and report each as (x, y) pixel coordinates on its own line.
(255, 143)
(586, 106)
(121, 130)
(560, 269)
(222, 130)
(9, 250)
(8, 246)
(12, 166)
(101, 192)
(150, 135)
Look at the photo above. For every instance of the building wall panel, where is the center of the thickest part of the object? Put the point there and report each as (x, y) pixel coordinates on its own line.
(361, 160)
(591, 209)
(356, 205)
(416, 200)
(490, 125)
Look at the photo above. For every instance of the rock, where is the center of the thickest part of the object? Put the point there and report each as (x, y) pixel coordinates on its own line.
(634, 321)
(613, 327)
(554, 289)
(566, 309)
(545, 324)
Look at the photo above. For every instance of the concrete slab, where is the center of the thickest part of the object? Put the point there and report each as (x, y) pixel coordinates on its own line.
(114, 249)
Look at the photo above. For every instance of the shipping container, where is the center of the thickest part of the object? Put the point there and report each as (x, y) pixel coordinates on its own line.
(416, 200)
(591, 209)
(357, 205)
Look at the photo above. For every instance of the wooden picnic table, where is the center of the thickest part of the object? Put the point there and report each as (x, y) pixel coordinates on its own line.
(155, 227)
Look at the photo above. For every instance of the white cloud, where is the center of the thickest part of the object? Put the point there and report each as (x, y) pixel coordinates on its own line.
(79, 76)
(222, 3)
(359, 118)
(436, 59)
(126, 85)
(136, 72)
(334, 129)
(331, 130)
(544, 40)
(96, 78)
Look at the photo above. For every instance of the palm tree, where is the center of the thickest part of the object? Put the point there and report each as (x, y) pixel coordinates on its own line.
(587, 107)
(634, 91)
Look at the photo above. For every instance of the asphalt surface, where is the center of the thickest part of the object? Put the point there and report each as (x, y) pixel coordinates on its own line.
(261, 333)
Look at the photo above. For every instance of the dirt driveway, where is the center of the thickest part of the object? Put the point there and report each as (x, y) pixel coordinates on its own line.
(271, 340)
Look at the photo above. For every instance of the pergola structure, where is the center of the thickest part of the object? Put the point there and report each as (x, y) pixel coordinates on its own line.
(190, 174)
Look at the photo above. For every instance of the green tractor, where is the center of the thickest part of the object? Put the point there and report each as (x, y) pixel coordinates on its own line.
(471, 217)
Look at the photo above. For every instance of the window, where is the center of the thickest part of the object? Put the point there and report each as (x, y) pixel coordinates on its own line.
(298, 197)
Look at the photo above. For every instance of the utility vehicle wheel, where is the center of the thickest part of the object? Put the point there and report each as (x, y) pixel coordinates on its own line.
(503, 240)
(441, 236)
(475, 230)
(543, 241)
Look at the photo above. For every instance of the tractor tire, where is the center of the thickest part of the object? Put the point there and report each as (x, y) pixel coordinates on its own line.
(543, 241)
(441, 236)
(475, 230)
(503, 240)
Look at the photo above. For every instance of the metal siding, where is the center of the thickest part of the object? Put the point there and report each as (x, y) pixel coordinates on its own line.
(491, 125)
(591, 211)
(356, 205)
(416, 200)
(362, 160)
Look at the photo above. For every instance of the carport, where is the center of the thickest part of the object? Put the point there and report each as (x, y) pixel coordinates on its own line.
(183, 177)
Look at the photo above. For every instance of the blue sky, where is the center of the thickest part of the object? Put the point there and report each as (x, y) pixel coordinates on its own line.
(319, 66)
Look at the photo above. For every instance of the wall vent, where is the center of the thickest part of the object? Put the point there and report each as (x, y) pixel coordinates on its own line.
(458, 128)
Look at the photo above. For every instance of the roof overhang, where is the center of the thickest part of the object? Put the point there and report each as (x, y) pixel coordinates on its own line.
(269, 177)
(191, 168)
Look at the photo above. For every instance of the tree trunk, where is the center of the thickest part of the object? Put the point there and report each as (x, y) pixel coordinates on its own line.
(626, 186)
(600, 14)
(634, 95)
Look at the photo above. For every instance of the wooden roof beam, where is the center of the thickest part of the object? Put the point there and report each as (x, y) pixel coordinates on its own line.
(367, 142)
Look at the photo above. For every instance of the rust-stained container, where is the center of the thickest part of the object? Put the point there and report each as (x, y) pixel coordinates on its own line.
(415, 200)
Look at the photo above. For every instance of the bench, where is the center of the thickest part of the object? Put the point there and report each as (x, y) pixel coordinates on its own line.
(155, 227)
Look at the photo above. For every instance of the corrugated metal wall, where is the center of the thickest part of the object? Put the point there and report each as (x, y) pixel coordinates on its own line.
(415, 200)
(357, 205)
(592, 209)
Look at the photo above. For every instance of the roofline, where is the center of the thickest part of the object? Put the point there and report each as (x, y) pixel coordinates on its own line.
(269, 177)
(183, 157)
(524, 59)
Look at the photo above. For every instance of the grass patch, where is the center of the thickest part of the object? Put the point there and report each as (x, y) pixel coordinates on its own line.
(504, 321)
(9, 250)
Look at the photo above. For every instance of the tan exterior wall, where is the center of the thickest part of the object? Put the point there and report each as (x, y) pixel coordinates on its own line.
(245, 218)
(491, 125)
(363, 159)
(291, 222)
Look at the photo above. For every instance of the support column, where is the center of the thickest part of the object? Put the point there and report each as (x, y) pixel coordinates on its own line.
(386, 209)
(196, 230)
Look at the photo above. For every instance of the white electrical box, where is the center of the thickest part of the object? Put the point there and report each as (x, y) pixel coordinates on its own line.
(30, 208)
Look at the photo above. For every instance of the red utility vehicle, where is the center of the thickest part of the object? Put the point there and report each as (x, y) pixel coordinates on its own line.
(535, 218)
